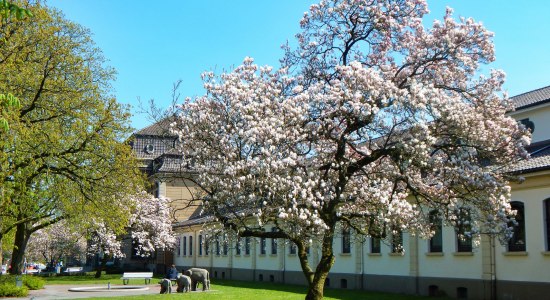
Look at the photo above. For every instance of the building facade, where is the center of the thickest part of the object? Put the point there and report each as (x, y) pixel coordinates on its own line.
(442, 265)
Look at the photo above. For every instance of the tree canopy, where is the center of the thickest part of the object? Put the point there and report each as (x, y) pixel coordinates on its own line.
(371, 123)
(65, 155)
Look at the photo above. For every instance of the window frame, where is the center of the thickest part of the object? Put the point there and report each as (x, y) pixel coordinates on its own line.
(518, 241)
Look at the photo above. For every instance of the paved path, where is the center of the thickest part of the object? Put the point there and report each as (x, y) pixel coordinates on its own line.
(52, 292)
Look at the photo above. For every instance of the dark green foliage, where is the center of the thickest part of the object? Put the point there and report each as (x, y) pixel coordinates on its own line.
(33, 282)
(10, 290)
(30, 282)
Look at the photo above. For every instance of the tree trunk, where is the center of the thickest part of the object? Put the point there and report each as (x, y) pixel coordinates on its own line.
(317, 285)
(19, 246)
(102, 266)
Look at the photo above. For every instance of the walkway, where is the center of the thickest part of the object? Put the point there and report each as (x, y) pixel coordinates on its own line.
(52, 292)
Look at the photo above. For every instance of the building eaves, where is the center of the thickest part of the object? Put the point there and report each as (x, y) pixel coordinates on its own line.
(539, 159)
(532, 98)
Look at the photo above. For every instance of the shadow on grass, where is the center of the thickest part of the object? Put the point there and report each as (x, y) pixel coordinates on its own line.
(328, 292)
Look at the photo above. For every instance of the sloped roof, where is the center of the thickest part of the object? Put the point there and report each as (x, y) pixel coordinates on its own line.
(539, 160)
(161, 128)
(532, 98)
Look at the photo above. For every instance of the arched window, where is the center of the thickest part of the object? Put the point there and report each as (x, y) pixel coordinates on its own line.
(206, 245)
(397, 241)
(191, 245)
(464, 231)
(517, 242)
(346, 240)
(225, 245)
(374, 245)
(263, 244)
(238, 246)
(184, 246)
(247, 245)
(274, 242)
(436, 242)
(200, 244)
(292, 248)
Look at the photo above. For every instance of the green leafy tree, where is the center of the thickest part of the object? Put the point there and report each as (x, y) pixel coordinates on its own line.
(65, 156)
(7, 10)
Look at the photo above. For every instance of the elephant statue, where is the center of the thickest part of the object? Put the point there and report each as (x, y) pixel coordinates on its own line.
(184, 284)
(198, 275)
(165, 286)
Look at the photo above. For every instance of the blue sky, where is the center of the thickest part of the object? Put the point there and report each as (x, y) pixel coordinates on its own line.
(152, 44)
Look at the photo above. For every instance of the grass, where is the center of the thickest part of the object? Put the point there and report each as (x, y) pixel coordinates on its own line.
(231, 289)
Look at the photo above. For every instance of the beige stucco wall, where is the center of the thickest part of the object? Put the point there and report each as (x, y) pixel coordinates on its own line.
(533, 265)
(540, 116)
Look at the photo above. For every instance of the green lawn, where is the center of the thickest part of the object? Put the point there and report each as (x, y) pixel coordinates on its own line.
(230, 289)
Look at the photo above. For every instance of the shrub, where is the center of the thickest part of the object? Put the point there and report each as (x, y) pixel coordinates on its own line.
(30, 281)
(10, 290)
(33, 282)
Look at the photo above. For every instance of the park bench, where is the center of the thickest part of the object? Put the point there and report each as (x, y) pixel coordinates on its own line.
(74, 270)
(131, 275)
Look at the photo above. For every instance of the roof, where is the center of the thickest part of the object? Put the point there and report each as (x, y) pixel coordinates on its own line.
(532, 98)
(160, 128)
(539, 158)
(197, 220)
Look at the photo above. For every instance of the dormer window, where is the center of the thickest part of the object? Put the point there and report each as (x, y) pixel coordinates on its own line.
(528, 124)
(150, 149)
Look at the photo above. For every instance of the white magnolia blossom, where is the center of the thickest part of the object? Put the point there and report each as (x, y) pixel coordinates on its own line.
(372, 122)
(149, 228)
(56, 242)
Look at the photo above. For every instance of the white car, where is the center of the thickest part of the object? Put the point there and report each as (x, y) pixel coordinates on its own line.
(4, 269)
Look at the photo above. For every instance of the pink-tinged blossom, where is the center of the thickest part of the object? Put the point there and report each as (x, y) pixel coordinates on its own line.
(55, 242)
(372, 122)
(149, 227)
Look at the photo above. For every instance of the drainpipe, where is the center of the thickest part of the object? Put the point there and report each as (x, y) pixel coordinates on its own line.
(363, 263)
(284, 261)
(493, 268)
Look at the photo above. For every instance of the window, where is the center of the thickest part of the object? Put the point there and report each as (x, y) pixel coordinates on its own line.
(517, 242)
(238, 246)
(217, 246)
(547, 222)
(184, 246)
(200, 244)
(206, 245)
(179, 245)
(247, 245)
(191, 245)
(374, 245)
(346, 240)
(263, 243)
(464, 231)
(397, 241)
(274, 242)
(225, 245)
(292, 249)
(528, 124)
(436, 242)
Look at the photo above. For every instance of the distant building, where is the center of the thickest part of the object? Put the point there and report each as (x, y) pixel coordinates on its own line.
(444, 264)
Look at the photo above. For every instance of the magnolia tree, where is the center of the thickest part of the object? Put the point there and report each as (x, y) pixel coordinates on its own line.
(55, 243)
(374, 123)
(149, 229)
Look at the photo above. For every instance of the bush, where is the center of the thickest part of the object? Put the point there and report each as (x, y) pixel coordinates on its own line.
(30, 281)
(10, 290)
(33, 282)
